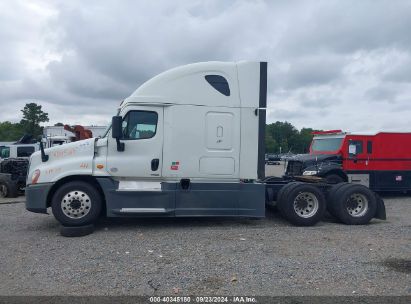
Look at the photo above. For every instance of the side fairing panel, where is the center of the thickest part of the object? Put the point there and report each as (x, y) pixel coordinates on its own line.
(252, 79)
(249, 83)
(249, 150)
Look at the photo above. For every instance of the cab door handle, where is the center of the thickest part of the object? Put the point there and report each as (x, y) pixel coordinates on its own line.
(154, 164)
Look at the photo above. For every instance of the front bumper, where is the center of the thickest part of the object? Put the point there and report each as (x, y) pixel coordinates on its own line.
(36, 197)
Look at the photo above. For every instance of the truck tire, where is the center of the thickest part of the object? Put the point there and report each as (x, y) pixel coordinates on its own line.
(273, 205)
(283, 193)
(8, 188)
(354, 204)
(331, 198)
(76, 231)
(76, 203)
(303, 205)
(334, 179)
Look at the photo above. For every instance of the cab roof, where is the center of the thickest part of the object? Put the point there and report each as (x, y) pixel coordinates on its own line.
(226, 84)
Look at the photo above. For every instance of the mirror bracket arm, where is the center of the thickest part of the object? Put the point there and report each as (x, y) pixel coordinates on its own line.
(120, 145)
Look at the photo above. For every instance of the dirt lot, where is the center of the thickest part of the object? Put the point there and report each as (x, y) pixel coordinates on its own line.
(207, 256)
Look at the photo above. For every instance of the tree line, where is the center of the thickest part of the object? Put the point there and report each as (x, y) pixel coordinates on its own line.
(280, 137)
(33, 115)
(283, 137)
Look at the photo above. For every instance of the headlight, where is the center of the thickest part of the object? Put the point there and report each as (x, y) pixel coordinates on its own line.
(35, 177)
(310, 172)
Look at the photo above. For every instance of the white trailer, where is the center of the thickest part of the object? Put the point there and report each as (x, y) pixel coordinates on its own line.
(189, 142)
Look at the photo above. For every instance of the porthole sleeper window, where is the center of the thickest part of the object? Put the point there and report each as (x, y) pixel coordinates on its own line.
(219, 83)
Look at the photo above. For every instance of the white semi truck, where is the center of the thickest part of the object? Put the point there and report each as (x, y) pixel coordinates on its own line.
(189, 142)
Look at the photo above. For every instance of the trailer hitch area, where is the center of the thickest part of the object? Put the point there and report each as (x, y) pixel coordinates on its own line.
(380, 212)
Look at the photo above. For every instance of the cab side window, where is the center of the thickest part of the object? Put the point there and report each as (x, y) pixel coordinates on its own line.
(369, 147)
(355, 147)
(140, 125)
(4, 152)
(24, 151)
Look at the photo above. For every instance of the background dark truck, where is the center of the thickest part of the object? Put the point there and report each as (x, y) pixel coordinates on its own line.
(381, 161)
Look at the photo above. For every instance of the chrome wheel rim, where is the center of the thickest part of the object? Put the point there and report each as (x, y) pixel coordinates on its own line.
(3, 191)
(306, 204)
(76, 204)
(357, 205)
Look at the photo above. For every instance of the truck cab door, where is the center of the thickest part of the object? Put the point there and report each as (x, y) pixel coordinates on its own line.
(356, 164)
(357, 157)
(143, 145)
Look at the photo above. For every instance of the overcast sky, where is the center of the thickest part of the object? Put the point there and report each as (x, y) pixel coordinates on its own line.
(332, 64)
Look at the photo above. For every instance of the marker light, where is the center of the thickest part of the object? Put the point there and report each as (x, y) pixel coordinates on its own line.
(35, 177)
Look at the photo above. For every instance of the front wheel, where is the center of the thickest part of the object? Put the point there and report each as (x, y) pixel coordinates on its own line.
(76, 204)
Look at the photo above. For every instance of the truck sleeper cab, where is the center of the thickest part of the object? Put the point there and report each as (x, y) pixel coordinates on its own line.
(188, 142)
(181, 145)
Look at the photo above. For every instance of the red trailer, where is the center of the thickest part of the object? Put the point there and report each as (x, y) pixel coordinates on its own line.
(380, 161)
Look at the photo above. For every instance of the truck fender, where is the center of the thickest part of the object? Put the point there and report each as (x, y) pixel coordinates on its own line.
(380, 213)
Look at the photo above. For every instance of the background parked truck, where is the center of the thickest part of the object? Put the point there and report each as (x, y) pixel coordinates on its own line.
(379, 161)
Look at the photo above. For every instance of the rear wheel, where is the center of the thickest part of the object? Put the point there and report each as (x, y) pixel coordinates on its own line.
(283, 191)
(354, 204)
(76, 204)
(303, 205)
(331, 198)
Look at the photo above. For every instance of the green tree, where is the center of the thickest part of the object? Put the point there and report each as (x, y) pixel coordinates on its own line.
(285, 136)
(305, 139)
(10, 131)
(33, 115)
(283, 133)
(271, 146)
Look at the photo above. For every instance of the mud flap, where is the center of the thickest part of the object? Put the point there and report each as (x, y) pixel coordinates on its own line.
(269, 195)
(380, 213)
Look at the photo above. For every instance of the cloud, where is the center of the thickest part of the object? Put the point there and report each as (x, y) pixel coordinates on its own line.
(382, 93)
(332, 64)
(400, 72)
(305, 71)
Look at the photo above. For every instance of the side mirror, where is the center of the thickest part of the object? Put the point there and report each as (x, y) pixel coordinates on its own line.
(117, 131)
(116, 127)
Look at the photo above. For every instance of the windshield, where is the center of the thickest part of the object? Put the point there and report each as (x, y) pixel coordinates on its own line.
(326, 144)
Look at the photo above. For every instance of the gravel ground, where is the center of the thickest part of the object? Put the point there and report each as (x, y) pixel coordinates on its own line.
(12, 200)
(206, 256)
